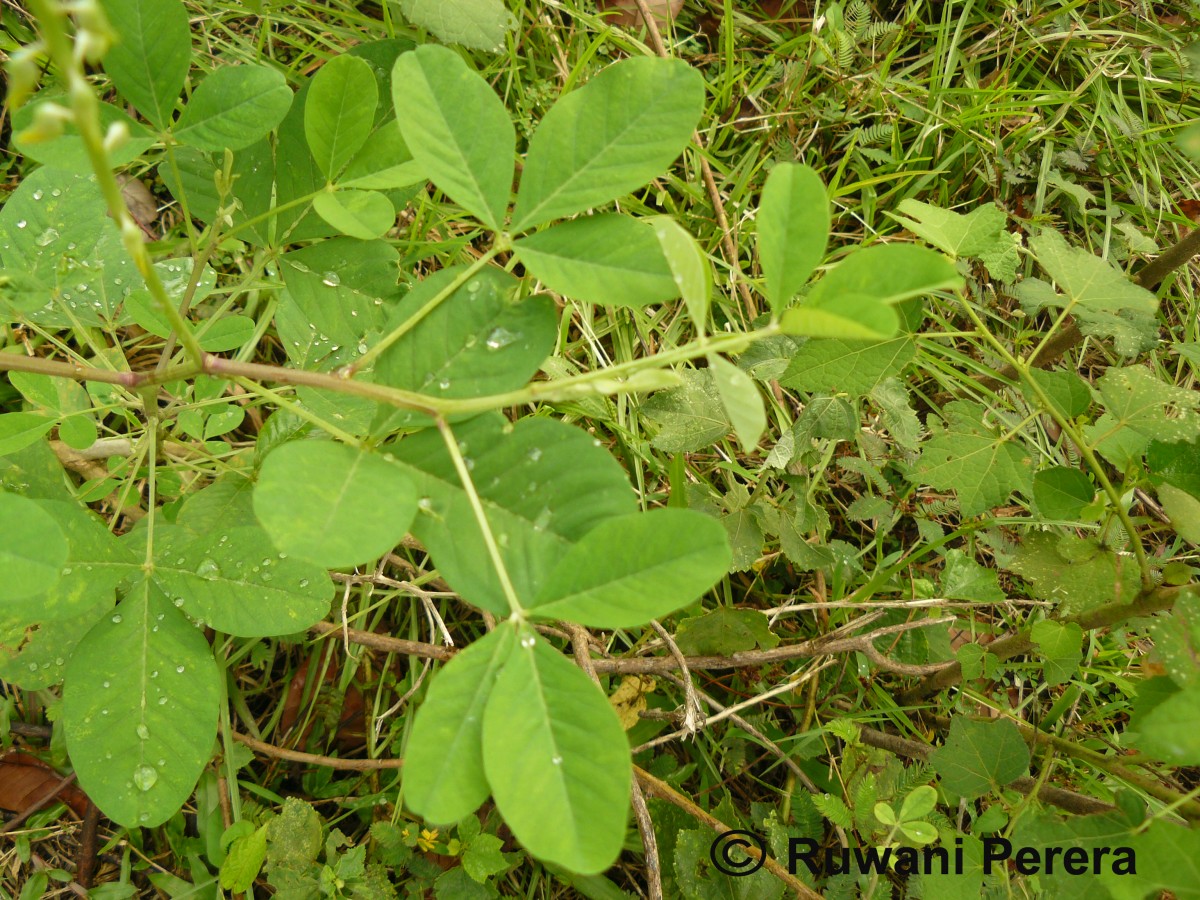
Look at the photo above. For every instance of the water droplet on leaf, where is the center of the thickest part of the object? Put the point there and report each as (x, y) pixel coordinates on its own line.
(145, 777)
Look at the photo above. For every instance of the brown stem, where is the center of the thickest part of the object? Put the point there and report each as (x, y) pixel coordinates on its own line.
(1147, 602)
(85, 862)
(655, 787)
(313, 759)
(15, 362)
(1068, 800)
(1149, 277)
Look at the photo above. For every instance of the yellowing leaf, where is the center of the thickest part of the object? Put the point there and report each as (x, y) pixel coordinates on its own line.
(629, 699)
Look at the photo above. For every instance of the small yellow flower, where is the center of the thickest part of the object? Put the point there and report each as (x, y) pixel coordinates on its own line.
(428, 838)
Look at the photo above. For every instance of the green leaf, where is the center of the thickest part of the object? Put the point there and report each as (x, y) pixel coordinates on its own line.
(67, 151)
(331, 504)
(885, 273)
(1062, 493)
(688, 267)
(365, 215)
(478, 24)
(609, 137)
(920, 803)
(482, 339)
(852, 317)
(237, 583)
(848, 366)
(1075, 573)
(1069, 393)
(1177, 639)
(20, 429)
(607, 259)
(140, 705)
(339, 111)
(965, 455)
(457, 129)
(1170, 731)
(63, 253)
(964, 579)
(1059, 644)
(557, 759)
(95, 565)
(981, 234)
(543, 485)
(980, 756)
(443, 761)
(742, 401)
(1155, 409)
(338, 290)
(1175, 463)
(33, 551)
(688, 417)
(245, 860)
(233, 107)
(634, 568)
(384, 163)
(892, 399)
(698, 880)
(1183, 510)
(793, 229)
(1087, 280)
(148, 62)
(723, 631)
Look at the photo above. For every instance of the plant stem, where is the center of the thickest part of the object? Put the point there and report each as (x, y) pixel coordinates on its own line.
(485, 527)
(1145, 603)
(1072, 432)
(412, 321)
(87, 120)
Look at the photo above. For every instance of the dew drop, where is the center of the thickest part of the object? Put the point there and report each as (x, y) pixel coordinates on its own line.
(208, 569)
(501, 337)
(116, 619)
(331, 279)
(535, 454)
(37, 195)
(528, 641)
(557, 760)
(106, 684)
(179, 669)
(162, 701)
(21, 223)
(143, 732)
(178, 601)
(66, 570)
(303, 582)
(145, 777)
